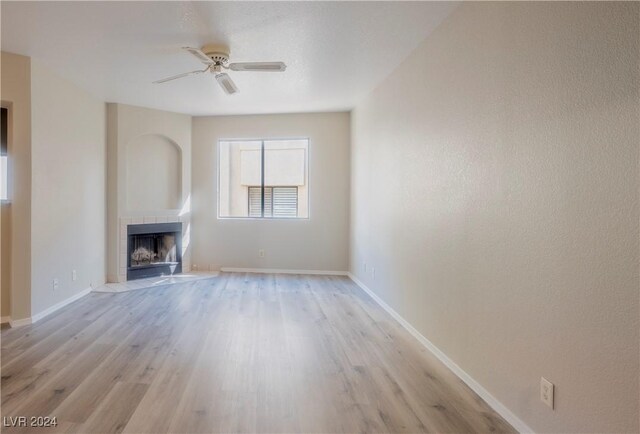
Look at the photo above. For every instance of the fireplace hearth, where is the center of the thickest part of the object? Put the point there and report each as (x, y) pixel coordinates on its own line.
(154, 249)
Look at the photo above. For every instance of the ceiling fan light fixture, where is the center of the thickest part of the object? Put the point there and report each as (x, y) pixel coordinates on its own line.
(226, 83)
(216, 59)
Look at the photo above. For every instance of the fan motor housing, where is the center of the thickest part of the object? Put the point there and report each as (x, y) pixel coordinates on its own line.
(217, 53)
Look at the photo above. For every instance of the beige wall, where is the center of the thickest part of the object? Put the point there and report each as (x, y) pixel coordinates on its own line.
(5, 259)
(15, 92)
(130, 127)
(319, 243)
(68, 188)
(495, 191)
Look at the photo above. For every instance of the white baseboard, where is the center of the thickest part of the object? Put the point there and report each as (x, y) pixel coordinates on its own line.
(5, 319)
(13, 323)
(473, 384)
(37, 317)
(281, 271)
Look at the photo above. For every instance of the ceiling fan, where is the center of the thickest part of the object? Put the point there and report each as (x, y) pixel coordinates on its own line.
(216, 58)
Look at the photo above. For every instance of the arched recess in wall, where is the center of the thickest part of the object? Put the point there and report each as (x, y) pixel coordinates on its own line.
(154, 173)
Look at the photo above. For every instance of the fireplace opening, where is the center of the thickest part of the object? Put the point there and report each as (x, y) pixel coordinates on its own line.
(154, 250)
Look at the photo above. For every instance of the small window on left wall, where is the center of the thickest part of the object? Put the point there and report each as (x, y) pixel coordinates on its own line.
(4, 158)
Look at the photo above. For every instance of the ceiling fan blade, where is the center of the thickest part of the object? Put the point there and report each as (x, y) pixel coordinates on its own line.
(200, 55)
(174, 77)
(258, 66)
(226, 83)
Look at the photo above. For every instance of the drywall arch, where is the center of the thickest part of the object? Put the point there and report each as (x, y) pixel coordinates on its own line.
(153, 173)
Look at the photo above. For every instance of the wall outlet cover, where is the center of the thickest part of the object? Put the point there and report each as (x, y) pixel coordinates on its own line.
(546, 392)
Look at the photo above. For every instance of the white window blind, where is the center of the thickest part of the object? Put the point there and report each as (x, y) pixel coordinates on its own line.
(279, 202)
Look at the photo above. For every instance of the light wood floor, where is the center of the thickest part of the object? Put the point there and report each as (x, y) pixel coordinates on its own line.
(236, 353)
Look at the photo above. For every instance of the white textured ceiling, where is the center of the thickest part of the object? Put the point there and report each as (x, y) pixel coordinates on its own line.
(336, 52)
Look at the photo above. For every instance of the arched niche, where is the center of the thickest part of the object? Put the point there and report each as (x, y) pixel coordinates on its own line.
(154, 173)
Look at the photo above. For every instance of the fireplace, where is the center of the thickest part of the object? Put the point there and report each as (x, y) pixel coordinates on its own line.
(154, 249)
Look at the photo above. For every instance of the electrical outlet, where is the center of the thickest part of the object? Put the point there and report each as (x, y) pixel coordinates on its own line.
(194, 267)
(55, 283)
(74, 275)
(546, 392)
(261, 253)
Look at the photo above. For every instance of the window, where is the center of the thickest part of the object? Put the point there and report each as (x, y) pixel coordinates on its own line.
(4, 163)
(263, 178)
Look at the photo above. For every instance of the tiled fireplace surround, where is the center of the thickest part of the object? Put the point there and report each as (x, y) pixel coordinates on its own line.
(122, 242)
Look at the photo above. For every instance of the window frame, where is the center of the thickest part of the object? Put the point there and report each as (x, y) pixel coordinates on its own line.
(263, 140)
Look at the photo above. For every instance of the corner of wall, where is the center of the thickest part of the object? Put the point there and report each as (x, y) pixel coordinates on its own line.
(16, 90)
